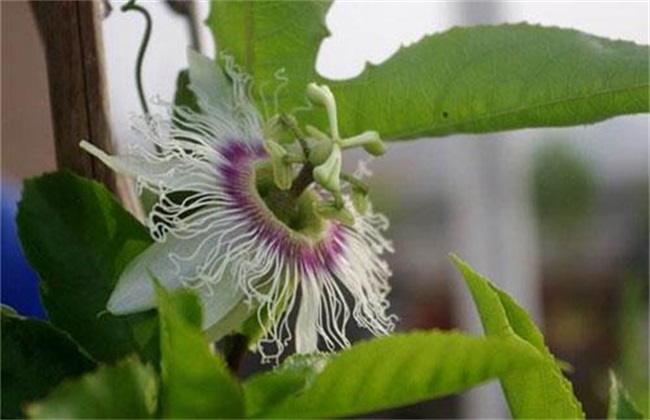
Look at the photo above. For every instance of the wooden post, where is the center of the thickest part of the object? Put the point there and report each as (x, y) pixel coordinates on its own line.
(72, 37)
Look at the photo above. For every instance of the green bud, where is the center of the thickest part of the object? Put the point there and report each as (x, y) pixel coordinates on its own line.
(319, 94)
(275, 151)
(375, 148)
(283, 176)
(316, 133)
(282, 170)
(274, 128)
(334, 211)
(328, 173)
(369, 140)
(360, 199)
(322, 95)
(320, 152)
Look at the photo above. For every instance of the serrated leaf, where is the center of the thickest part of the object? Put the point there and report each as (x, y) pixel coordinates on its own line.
(79, 239)
(265, 37)
(266, 390)
(127, 390)
(491, 78)
(35, 358)
(402, 369)
(537, 393)
(466, 80)
(195, 382)
(620, 403)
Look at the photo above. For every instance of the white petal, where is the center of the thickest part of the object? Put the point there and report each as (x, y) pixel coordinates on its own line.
(209, 83)
(217, 328)
(134, 291)
(220, 299)
(160, 172)
(307, 322)
(224, 99)
(220, 302)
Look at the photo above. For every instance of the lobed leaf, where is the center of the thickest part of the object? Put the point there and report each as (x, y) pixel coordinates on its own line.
(79, 239)
(484, 79)
(466, 80)
(265, 37)
(542, 392)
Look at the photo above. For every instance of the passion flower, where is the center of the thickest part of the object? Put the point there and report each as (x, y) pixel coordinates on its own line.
(236, 222)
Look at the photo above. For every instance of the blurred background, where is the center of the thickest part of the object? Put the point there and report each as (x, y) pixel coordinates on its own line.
(556, 217)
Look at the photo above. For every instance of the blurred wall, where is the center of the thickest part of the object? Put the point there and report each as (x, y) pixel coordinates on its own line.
(27, 139)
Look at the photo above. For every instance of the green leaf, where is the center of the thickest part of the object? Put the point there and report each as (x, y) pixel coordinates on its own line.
(536, 393)
(7, 310)
(184, 96)
(195, 382)
(492, 78)
(35, 358)
(620, 404)
(394, 371)
(127, 390)
(632, 366)
(268, 389)
(79, 239)
(466, 80)
(267, 36)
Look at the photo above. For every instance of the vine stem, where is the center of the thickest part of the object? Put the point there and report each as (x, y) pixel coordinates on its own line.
(235, 347)
(302, 181)
(131, 5)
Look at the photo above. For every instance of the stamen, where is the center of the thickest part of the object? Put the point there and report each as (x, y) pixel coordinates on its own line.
(322, 95)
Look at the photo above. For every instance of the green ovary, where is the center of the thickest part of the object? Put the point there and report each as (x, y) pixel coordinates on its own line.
(296, 214)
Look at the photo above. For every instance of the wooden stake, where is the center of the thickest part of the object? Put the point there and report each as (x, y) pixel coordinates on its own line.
(72, 37)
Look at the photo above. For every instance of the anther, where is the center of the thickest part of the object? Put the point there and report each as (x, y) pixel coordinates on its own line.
(328, 173)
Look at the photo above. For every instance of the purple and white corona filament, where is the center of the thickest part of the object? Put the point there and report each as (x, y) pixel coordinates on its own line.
(218, 231)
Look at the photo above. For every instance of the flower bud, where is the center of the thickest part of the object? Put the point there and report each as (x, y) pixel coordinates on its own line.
(319, 94)
(282, 170)
(334, 211)
(360, 199)
(375, 148)
(369, 140)
(320, 152)
(328, 174)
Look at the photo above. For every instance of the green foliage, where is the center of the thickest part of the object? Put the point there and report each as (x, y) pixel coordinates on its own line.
(563, 187)
(632, 345)
(491, 78)
(184, 96)
(542, 392)
(195, 383)
(620, 404)
(267, 36)
(7, 310)
(390, 372)
(79, 239)
(267, 390)
(127, 390)
(35, 358)
(466, 80)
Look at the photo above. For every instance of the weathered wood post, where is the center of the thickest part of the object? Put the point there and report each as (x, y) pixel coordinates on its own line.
(72, 38)
(74, 52)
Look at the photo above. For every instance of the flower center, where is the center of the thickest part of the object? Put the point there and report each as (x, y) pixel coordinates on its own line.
(296, 213)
